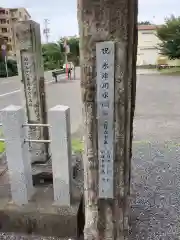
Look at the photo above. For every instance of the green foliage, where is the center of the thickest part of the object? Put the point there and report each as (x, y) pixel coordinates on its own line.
(144, 23)
(2, 147)
(77, 146)
(12, 68)
(169, 34)
(54, 53)
(2, 144)
(73, 56)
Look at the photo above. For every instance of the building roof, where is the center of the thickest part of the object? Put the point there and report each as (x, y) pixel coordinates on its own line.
(24, 9)
(26, 12)
(147, 27)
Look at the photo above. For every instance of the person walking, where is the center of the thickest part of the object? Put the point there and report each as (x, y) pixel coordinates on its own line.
(70, 67)
(69, 72)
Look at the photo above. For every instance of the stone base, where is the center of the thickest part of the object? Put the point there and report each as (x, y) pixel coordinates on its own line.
(40, 216)
(61, 222)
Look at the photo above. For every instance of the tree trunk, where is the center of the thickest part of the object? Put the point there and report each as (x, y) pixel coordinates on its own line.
(99, 21)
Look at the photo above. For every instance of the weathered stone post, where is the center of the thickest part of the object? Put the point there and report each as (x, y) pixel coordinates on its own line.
(18, 156)
(108, 43)
(60, 135)
(30, 64)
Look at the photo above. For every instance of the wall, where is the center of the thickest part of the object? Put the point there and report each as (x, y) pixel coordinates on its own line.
(147, 47)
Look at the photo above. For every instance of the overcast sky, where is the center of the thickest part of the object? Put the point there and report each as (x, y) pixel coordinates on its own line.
(62, 13)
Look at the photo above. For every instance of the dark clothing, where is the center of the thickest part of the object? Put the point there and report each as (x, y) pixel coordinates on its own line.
(69, 72)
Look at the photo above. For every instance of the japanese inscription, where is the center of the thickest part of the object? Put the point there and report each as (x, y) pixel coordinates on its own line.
(29, 81)
(105, 115)
(30, 88)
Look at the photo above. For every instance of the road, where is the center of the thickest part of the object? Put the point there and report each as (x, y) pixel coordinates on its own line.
(157, 108)
(65, 92)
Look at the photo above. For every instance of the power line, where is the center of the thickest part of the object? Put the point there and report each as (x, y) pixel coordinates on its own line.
(46, 30)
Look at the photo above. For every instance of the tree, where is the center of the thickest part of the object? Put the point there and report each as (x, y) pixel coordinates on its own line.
(144, 23)
(73, 56)
(115, 21)
(52, 54)
(169, 34)
(73, 43)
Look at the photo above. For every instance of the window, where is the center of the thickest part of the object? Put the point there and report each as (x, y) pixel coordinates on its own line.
(6, 39)
(20, 14)
(3, 21)
(2, 12)
(4, 30)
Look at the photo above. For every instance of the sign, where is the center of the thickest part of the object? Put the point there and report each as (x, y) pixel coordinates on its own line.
(30, 88)
(105, 115)
(3, 49)
(30, 83)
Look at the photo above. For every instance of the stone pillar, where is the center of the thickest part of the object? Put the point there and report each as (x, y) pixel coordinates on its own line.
(30, 65)
(17, 152)
(59, 120)
(107, 171)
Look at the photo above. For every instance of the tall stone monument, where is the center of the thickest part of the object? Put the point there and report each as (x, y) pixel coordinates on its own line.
(30, 66)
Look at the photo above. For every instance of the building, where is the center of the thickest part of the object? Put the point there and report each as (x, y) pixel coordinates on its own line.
(147, 53)
(8, 18)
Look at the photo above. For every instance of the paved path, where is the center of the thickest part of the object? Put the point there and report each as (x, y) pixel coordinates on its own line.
(147, 71)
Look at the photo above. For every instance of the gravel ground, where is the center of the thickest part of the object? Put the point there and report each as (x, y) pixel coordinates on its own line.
(155, 192)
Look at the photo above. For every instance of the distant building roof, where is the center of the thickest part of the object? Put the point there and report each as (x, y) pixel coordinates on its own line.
(147, 27)
(16, 9)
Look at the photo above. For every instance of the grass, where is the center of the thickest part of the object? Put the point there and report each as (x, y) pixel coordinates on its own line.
(171, 71)
(77, 146)
(2, 144)
(2, 147)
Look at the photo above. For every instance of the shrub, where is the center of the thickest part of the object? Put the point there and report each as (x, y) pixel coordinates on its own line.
(12, 68)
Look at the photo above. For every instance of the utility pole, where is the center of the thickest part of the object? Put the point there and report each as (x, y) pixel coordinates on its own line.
(67, 50)
(4, 54)
(46, 29)
(108, 37)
